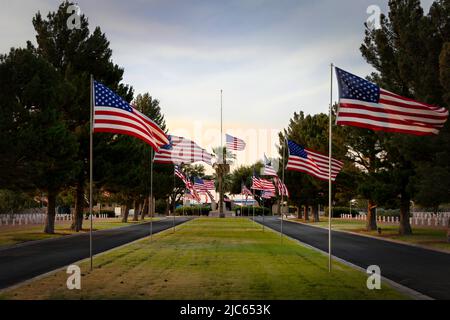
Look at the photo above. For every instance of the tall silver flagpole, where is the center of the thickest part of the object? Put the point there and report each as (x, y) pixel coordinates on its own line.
(174, 199)
(91, 129)
(282, 192)
(151, 194)
(221, 121)
(330, 209)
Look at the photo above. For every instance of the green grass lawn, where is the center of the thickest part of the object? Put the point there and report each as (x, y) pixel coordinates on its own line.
(19, 234)
(210, 259)
(429, 237)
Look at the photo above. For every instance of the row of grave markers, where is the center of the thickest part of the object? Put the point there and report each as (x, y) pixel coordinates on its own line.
(36, 218)
(418, 219)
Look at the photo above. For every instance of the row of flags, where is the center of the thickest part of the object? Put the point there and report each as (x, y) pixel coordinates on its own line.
(361, 104)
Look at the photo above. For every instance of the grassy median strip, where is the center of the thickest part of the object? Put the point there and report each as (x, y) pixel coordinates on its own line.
(210, 259)
(11, 235)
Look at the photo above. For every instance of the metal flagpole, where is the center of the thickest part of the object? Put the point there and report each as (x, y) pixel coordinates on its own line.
(221, 123)
(151, 195)
(174, 199)
(282, 191)
(91, 129)
(330, 209)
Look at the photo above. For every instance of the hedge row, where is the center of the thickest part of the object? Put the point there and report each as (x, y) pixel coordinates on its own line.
(193, 210)
(248, 211)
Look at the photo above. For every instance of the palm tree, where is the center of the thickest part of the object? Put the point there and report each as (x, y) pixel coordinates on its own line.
(224, 159)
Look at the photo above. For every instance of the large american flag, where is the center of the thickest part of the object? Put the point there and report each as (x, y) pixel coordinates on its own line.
(182, 151)
(311, 162)
(234, 143)
(364, 104)
(113, 114)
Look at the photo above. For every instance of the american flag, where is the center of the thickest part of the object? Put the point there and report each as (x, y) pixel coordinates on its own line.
(268, 195)
(192, 195)
(113, 114)
(245, 191)
(262, 185)
(181, 150)
(269, 171)
(311, 162)
(209, 184)
(199, 185)
(234, 143)
(364, 104)
(282, 189)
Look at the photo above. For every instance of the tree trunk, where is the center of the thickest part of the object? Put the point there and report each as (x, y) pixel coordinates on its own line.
(220, 196)
(137, 208)
(306, 212)
(127, 211)
(77, 224)
(315, 212)
(405, 227)
(50, 219)
(371, 222)
(299, 212)
(448, 231)
(145, 209)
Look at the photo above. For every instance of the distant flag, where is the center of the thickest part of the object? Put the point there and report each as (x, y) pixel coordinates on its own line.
(245, 191)
(210, 195)
(234, 143)
(364, 104)
(269, 171)
(268, 195)
(180, 175)
(209, 184)
(113, 114)
(199, 185)
(311, 162)
(262, 185)
(182, 151)
(282, 189)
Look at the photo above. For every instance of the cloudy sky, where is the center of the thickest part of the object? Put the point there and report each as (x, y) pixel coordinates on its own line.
(271, 58)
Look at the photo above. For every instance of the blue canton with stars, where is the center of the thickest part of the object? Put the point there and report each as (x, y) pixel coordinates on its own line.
(356, 88)
(168, 146)
(105, 97)
(296, 150)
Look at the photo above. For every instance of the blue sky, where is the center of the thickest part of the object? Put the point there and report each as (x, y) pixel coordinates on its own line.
(271, 58)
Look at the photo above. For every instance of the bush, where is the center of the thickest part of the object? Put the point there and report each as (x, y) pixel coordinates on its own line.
(337, 211)
(160, 206)
(193, 210)
(248, 211)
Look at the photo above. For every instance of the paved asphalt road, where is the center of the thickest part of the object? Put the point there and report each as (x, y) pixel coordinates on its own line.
(29, 260)
(425, 271)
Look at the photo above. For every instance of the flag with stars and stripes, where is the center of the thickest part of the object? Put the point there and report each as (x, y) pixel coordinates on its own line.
(311, 162)
(262, 185)
(268, 195)
(366, 105)
(245, 191)
(180, 150)
(199, 185)
(209, 184)
(234, 143)
(114, 115)
(281, 187)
